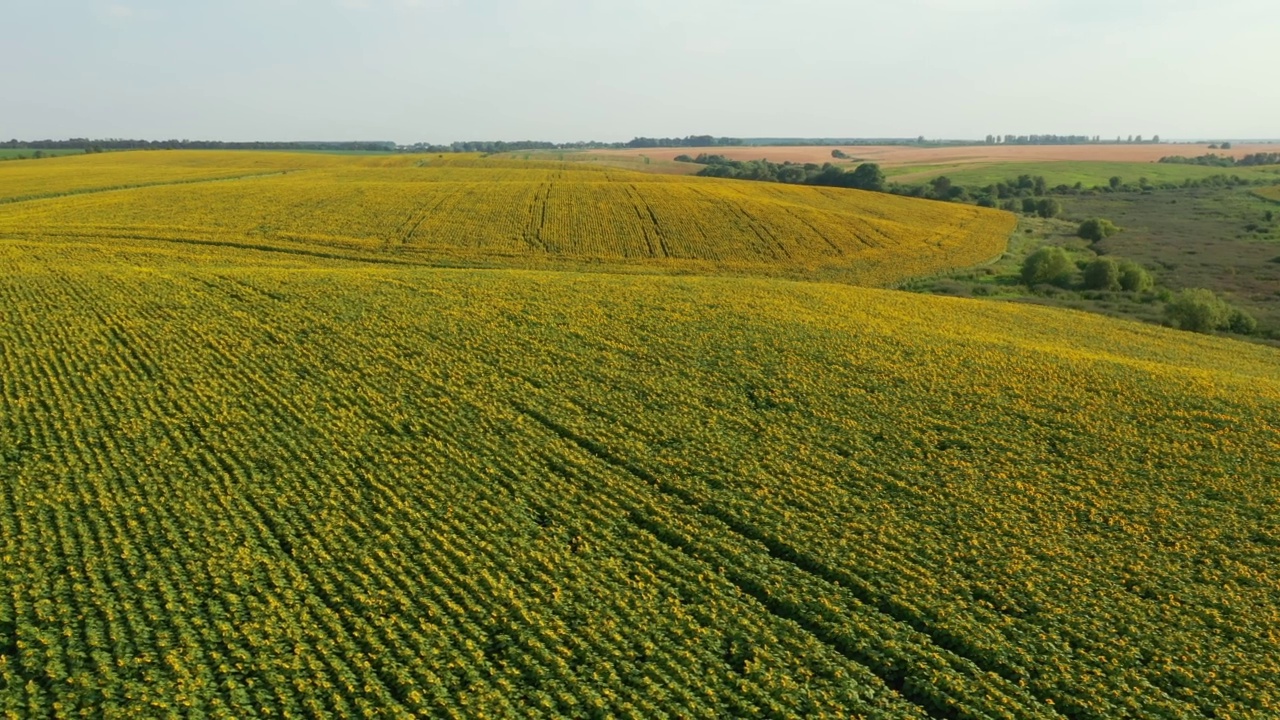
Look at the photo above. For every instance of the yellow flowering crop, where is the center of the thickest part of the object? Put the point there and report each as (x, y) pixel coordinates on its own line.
(288, 470)
(487, 212)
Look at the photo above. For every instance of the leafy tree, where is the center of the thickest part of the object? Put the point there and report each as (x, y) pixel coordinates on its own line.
(868, 176)
(794, 174)
(1115, 182)
(1029, 206)
(1097, 229)
(1225, 146)
(1048, 265)
(1242, 322)
(1198, 310)
(1040, 187)
(1102, 274)
(1134, 277)
(1048, 208)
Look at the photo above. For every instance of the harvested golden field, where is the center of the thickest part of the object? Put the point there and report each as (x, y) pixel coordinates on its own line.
(237, 482)
(471, 211)
(896, 155)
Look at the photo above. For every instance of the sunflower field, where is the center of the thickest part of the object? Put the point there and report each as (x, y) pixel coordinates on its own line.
(289, 435)
(474, 211)
(236, 482)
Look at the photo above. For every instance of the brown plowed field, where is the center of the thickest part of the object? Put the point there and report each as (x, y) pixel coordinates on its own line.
(896, 155)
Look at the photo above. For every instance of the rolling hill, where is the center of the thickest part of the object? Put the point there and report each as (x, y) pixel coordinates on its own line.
(473, 211)
(300, 472)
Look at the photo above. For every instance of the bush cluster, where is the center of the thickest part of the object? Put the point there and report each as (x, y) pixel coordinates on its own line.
(1200, 310)
(1051, 266)
(1106, 273)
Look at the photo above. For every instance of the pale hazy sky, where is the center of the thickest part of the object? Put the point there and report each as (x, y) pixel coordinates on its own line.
(444, 70)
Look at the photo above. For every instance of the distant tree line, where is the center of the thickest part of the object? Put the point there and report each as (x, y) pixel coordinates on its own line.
(1063, 139)
(120, 144)
(694, 141)
(815, 142)
(469, 146)
(501, 146)
(866, 176)
(1215, 160)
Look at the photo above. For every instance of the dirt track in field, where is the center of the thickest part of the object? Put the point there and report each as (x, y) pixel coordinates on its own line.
(895, 155)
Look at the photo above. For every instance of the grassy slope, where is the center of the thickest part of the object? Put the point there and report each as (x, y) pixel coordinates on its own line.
(471, 211)
(1215, 238)
(1090, 174)
(516, 493)
(1218, 239)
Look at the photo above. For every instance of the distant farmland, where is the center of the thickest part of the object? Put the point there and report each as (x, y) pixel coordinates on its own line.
(1089, 174)
(901, 155)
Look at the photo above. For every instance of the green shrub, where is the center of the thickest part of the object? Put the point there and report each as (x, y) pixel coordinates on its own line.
(1102, 274)
(1097, 229)
(1242, 322)
(1134, 277)
(1199, 310)
(1048, 265)
(1048, 208)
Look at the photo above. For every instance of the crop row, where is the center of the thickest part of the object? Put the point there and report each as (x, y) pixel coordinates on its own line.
(238, 485)
(209, 553)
